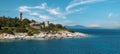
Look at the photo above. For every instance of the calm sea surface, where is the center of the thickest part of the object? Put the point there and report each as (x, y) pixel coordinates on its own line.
(102, 41)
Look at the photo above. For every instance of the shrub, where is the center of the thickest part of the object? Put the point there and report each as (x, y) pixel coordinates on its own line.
(7, 31)
(21, 30)
(71, 31)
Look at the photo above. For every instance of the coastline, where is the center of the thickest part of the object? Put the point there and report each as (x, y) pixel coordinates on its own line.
(25, 29)
(41, 36)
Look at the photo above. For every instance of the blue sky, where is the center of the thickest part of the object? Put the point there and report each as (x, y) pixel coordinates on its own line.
(90, 13)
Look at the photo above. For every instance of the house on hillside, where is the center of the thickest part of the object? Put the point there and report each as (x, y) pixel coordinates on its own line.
(37, 25)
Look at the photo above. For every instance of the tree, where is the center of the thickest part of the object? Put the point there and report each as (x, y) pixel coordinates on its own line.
(24, 23)
(0, 27)
(51, 25)
(21, 30)
(59, 26)
(7, 23)
(33, 21)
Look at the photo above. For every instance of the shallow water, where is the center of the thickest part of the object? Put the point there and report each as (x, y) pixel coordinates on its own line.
(103, 41)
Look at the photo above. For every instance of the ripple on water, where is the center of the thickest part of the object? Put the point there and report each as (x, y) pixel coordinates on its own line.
(94, 45)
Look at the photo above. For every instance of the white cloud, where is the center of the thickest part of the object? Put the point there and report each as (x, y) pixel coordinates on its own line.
(76, 10)
(54, 11)
(44, 17)
(113, 15)
(80, 2)
(110, 14)
(34, 13)
(41, 16)
(24, 9)
(27, 8)
(57, 13)
(42, 6)
(43, 11)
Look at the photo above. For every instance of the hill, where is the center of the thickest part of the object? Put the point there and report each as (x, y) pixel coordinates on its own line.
(82, 27)
(14, 25)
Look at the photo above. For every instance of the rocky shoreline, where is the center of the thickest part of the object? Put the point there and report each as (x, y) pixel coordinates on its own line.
(41, 36)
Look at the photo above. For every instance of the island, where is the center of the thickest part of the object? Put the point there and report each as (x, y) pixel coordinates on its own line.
(25, 29)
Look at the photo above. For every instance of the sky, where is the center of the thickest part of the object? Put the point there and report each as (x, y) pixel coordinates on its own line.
(89, 13)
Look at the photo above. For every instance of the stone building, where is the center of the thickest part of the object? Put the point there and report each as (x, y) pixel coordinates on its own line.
(36, 25)
(46, 24)
(39, 25)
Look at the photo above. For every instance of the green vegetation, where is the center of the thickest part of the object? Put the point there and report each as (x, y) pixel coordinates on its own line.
(53, 27)
(30, 33)
(14, 25)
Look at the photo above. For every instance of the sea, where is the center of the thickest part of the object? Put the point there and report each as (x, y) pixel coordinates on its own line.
(101, 41)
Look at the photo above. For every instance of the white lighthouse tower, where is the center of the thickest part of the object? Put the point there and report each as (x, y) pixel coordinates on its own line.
(20, 16)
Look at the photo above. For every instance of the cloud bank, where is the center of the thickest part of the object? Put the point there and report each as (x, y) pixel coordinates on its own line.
(46, 13)
(42, 11)
(75, 3)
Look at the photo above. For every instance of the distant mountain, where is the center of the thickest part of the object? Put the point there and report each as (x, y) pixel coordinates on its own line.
(75, 27)
(82, 27)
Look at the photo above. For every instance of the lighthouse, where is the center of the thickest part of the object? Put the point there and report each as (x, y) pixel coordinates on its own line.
(20, 16)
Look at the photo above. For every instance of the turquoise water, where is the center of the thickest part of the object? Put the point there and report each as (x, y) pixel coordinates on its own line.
(102, 41)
